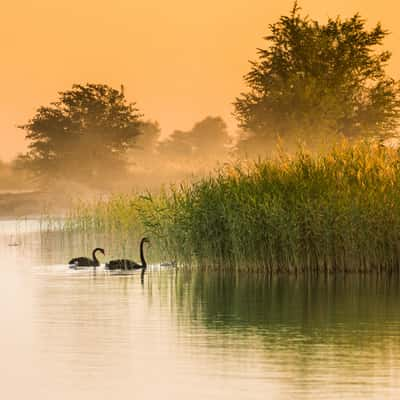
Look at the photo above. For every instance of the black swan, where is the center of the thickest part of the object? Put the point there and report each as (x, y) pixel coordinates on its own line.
(125, 264)
(86, 261)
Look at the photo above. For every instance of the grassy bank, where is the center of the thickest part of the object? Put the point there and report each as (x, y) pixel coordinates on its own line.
(338, 212)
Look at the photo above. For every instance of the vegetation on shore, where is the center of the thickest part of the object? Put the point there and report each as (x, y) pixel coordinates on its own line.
(311, 81)
(338, 211)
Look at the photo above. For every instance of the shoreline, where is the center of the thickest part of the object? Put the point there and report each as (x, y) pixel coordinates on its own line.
(31, 204)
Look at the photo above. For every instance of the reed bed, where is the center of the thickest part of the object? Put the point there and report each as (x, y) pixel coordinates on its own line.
(334, 212)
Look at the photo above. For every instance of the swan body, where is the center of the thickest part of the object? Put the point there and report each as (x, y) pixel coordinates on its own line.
(123, 263)
(126, 264)
(86, 261)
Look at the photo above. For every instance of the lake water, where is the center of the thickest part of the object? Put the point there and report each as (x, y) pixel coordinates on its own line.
(185, 335)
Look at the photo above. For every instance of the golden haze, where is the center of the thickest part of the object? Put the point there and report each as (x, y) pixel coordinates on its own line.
(180, 60)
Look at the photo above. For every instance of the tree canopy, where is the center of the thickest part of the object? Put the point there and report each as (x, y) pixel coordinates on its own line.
(83, 136)
(206, 141)
(315, 78)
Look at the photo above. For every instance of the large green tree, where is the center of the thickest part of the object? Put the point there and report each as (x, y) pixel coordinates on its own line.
(317, 78)
(84, 136)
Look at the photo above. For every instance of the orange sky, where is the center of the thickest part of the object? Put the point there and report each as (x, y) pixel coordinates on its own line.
(180, 60)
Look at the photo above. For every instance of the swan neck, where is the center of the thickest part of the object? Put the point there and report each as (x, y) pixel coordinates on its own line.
(144, 264)
(142, 276)
(96, 261)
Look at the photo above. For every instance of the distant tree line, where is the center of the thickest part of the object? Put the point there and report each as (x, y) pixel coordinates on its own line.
(92, 135)
(312, 82)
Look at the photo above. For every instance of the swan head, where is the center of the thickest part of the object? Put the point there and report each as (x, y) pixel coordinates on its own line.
(100, 250)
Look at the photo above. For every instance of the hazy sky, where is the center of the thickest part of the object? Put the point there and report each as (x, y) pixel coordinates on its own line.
(180, 60)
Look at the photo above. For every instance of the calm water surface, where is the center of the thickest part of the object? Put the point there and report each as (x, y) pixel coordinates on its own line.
(184, 335)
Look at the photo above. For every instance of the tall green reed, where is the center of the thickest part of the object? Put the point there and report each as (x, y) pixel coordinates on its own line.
(334, 212)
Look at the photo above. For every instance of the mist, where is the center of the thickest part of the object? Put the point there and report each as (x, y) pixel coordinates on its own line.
(181, 156)
(303, 90)
(87, 170)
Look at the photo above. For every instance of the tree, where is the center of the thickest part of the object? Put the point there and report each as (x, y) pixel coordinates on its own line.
(319, 78)
(206, 141)
(142, 156)
(83, 136)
